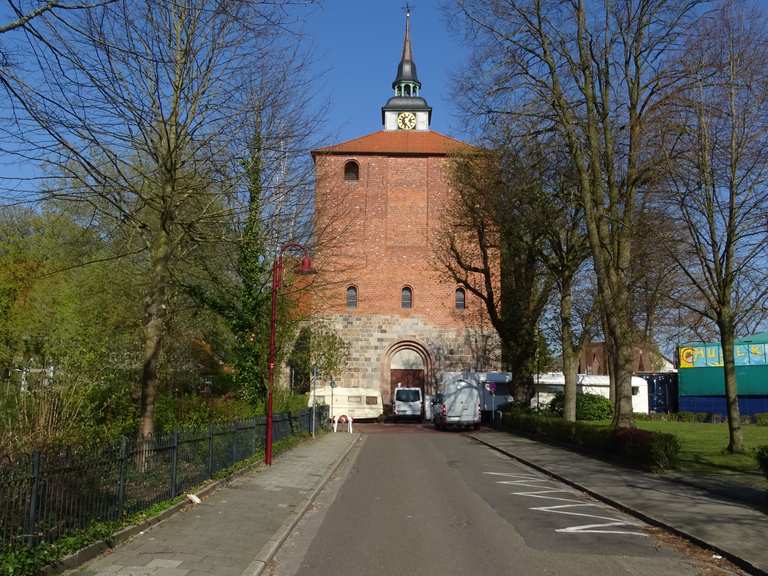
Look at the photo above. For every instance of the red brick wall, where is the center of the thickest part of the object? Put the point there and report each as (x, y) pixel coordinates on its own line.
(377, 235)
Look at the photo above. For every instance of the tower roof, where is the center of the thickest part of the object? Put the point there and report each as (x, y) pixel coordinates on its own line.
(406, 70)
(400, 142)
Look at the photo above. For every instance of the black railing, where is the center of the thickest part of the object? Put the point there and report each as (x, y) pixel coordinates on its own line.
(47, 495)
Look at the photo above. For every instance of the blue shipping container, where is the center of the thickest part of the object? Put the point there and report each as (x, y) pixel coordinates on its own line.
(662, 391)
(748, 405)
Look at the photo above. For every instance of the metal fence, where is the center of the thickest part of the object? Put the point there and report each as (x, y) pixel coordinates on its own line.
(48, 495)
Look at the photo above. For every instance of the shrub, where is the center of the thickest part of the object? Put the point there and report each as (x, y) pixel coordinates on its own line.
(702, 417)
(591, 407)
(686, 417)
(651, 450)
(761, 418)
(762, 459)
(516, 406)
(641, 448)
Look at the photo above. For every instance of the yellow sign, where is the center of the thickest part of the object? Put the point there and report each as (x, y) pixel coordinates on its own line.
(687, 356)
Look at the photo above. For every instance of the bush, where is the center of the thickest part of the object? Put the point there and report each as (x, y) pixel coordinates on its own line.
(686, 417)
(762, 459)
(761, 418)
(641, 448)
(591, 407)
(651, 450)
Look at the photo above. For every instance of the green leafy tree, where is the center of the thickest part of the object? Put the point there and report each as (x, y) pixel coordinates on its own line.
(251, 324)
(166, 86)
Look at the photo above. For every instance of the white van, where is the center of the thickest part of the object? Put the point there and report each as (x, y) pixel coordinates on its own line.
(495, 389)
(358, 403)
(458, 401)
(407, 403)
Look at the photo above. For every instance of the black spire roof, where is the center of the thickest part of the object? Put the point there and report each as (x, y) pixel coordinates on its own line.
(406, 70)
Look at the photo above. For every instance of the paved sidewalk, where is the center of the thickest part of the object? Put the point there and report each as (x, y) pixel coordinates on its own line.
(235, 530)
(736, 529)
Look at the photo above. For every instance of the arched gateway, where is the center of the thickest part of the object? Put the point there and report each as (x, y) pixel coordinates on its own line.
(407, 363)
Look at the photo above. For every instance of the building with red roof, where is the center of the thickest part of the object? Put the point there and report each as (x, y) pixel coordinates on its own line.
(379, 201)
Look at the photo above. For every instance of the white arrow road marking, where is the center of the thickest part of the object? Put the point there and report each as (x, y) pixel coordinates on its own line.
(543, 486)
(590, 528)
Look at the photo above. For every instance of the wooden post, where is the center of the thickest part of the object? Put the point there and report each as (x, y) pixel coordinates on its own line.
(174, 462)
(33, 499)
(122, 466)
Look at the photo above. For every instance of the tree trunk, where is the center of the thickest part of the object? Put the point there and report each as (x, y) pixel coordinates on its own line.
(727, 335)
(524, 350)
(570, 359)
(622, 370)
(154, 317)
(619, 339)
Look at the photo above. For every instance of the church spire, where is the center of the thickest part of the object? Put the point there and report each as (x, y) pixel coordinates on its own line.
(407, 82)
(407, 53)
(406, 110)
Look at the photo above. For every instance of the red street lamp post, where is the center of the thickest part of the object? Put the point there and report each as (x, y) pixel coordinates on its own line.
(277, 277)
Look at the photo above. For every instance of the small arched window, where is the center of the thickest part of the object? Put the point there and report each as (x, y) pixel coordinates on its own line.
(352, 297)
(406, 298)
(351, 171)
(460, 299)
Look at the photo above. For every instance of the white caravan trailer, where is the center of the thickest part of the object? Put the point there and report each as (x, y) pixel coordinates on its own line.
(358, 403)
(546, 385)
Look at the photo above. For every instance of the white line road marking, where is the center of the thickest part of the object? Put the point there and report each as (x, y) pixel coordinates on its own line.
(543, 486)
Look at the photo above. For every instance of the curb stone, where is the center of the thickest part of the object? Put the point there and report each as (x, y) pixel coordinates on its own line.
(737, 560)
(268, 551)
(95, 549)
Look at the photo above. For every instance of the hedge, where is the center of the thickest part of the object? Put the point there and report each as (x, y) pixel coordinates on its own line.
(632, 446)
(762, 459)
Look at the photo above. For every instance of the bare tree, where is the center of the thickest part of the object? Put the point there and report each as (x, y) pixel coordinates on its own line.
(717, 179)
(565, 252)
(22, 15)
(487, 247)
(139, 111)
(595, 74)
(655, 276)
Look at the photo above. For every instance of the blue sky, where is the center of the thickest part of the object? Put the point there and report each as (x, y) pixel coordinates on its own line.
(359, 44)
(355, 46)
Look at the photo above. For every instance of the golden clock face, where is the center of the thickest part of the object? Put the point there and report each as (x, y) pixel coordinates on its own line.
(406, 120)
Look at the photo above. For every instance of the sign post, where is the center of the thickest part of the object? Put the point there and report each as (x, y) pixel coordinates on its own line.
(492, 390)
(314, 399)
(333, 385)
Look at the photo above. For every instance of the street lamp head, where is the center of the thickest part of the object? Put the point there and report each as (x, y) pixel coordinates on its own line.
(306, 266)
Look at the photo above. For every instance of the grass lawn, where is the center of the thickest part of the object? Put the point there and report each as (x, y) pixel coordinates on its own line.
(702, 446)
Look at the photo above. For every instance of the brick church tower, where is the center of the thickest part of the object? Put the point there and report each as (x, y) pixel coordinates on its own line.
(378, 208)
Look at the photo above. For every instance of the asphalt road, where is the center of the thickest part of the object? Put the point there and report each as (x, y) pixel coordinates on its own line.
(411, 501)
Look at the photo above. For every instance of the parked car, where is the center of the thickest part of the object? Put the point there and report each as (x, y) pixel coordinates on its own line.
(407, 403)
(358, 403)
(457, 404)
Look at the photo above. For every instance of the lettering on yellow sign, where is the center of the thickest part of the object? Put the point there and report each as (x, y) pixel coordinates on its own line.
(686, 357)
